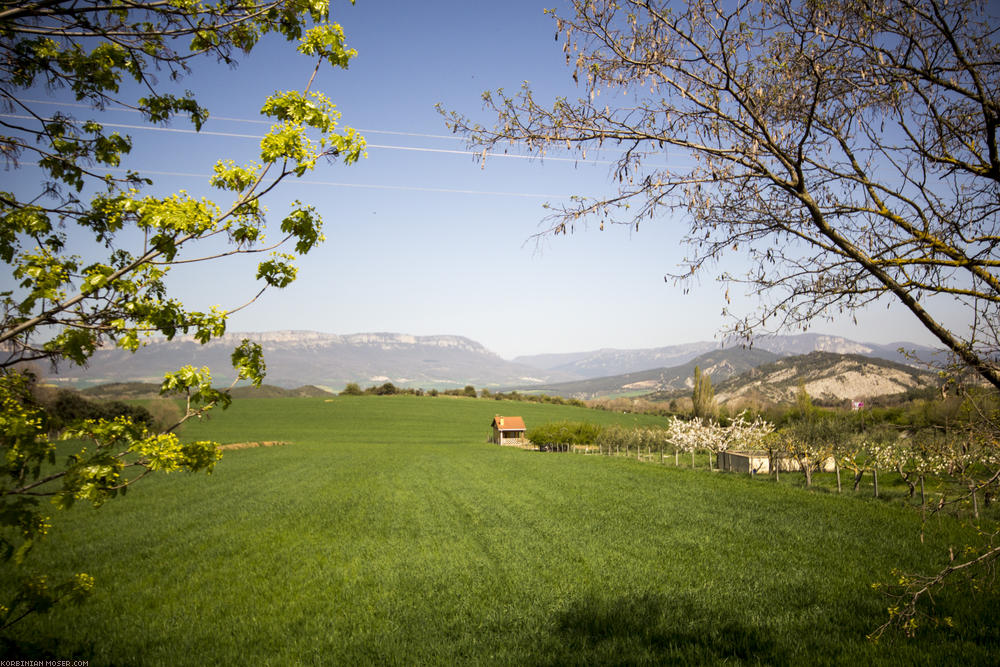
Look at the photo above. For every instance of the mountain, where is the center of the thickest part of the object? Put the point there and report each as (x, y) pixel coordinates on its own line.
(326, 360)
(330, 361)
(827, 376)
(719, 364)
(609, 362)
(140, 390)
(806, 343)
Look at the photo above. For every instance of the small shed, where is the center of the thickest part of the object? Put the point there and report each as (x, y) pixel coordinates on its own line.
(759, 462)
(509, 431)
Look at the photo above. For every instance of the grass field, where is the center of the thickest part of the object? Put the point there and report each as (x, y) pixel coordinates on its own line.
(389, 532)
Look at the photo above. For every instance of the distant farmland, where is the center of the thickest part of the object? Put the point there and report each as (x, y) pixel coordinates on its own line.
(388, 532)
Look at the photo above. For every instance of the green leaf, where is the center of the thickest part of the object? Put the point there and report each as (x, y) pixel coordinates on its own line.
(248, 360)
(327, 41)
(277, 271)
(305, 225)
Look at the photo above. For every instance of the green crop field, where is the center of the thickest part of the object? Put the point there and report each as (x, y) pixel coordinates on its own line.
(389, 532)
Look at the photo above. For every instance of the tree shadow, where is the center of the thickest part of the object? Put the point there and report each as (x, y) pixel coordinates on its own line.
(43, 649)
(655, 628)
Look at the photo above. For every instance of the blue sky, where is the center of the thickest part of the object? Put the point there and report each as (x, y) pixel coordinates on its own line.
(420, 238)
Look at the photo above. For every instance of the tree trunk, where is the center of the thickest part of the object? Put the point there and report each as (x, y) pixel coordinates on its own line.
(836, 465)
(857, 479)
(875, 478)
(923, 509)
(906, 478)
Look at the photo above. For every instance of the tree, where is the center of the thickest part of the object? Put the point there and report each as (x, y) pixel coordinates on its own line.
(703, 396)
(386, 389)
(848, 149)
(352, 389)
(63, 306)
(804, 409)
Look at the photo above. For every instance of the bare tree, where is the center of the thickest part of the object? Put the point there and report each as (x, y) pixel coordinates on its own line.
(849, 149)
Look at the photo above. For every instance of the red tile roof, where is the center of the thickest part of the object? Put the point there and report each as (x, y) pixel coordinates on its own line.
(509, 423)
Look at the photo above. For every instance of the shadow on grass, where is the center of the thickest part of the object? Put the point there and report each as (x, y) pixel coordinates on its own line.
(42, 650)
(654, 628)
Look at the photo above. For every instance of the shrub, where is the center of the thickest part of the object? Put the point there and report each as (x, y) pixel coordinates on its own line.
(69, 406)
(561, 435)
(165, 413)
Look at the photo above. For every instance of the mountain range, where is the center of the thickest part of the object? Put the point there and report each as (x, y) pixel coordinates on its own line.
(720, 364)
(610, 361)
(826, 376)
(296, 358)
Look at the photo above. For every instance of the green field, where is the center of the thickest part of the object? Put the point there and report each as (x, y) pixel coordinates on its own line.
(389, 532)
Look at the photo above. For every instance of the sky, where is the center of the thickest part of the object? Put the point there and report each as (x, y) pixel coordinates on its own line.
(421, 238)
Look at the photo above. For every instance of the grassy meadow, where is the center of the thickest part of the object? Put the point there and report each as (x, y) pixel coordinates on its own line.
(389, 532)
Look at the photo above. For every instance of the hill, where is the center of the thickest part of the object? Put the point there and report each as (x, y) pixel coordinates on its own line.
(610, 362)
(122, 391)
(270, 391)
(827, 376)
(328, 361)
(720, 364)
(139, 390)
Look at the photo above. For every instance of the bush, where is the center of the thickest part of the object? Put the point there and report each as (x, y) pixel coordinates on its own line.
(387, 389)
(69, 407)
(165, 413)
(562, 435)
(352, 389)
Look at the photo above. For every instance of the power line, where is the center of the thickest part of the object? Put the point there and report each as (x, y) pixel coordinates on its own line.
(419, 149)
(367, 186)
(255, 121)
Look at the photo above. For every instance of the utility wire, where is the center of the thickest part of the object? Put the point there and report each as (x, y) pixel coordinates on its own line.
(368, 186)
(255, 121)
(238, 135)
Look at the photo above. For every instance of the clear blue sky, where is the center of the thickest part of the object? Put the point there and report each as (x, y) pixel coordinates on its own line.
(426, 241)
